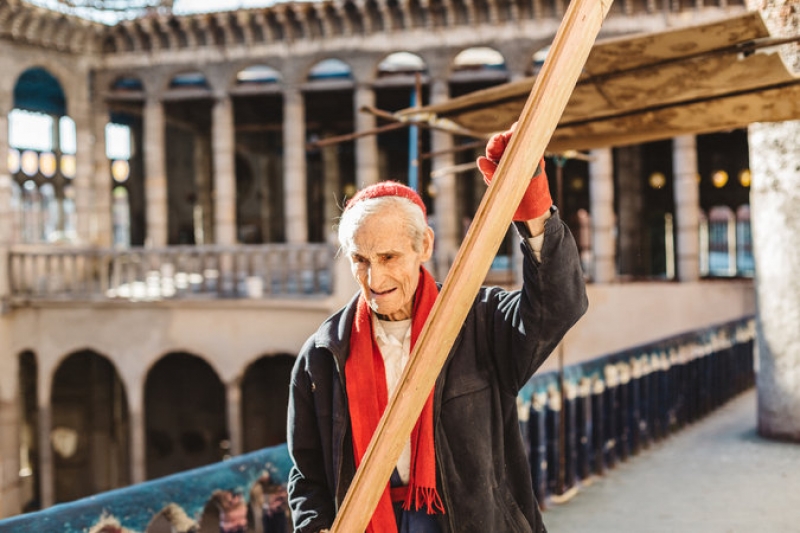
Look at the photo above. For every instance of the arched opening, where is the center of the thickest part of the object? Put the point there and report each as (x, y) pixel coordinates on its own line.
(124, 138)
(474, 69)
(330, 112)
(188, 104)
(257, 75)
(402, 82)
(41, 159)
(258, 115)
(90, 429)
(185, 418)
(265, 395)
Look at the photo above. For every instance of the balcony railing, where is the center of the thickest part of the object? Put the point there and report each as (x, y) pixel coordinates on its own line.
(612, 408)
(175, 272)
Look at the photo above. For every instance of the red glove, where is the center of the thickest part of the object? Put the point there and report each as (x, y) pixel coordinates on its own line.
(537, 200)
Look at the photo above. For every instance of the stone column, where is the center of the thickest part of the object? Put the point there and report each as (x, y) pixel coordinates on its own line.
(102, 228)
(774, 197)
(367, 167)
(85, 223)
(234, 395)
(10, 503)
(203, 218)
(687, 207)
(445, 201)
(332, 187)
(7, 215)
(601, 196)
(155, 173)
(630, 211)
(46, 467)
(223, 148)
(294, 165)
(138, 457)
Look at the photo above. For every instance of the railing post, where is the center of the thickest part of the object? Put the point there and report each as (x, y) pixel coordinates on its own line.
(584, 421)
(623, 411)
(552, 430)
(537, 435)
(611, 409)
(570, 435)
(599, 413)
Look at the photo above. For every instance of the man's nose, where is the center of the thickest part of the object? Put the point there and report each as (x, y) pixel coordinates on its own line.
(374, 276)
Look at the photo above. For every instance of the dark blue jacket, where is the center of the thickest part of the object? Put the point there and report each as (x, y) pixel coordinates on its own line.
(483, 473)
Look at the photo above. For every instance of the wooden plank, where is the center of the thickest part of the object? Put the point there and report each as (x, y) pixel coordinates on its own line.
(571, 46)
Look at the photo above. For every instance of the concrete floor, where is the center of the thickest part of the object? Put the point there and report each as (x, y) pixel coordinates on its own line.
(716, 476)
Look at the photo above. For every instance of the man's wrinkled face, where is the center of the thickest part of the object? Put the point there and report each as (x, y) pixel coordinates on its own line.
(385, 264)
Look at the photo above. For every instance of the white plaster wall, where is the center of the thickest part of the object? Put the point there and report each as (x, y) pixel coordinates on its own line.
(231, 335)
(622, 316)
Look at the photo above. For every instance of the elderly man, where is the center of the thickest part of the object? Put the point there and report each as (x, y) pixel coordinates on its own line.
(464, 467)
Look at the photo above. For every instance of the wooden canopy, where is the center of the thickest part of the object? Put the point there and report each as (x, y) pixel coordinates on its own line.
(700, 79)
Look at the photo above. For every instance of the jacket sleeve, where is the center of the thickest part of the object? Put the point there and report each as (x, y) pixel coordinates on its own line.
(310, 498)
(525, 326)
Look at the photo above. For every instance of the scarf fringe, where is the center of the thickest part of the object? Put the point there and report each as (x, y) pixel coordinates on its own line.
(427, 497)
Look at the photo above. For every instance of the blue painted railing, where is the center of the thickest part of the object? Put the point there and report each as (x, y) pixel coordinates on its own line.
(134, 508)
(613, 407)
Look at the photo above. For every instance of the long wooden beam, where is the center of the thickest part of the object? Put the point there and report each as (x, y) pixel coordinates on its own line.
(548, 98)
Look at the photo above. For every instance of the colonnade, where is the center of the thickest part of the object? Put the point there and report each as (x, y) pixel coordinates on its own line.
(93, 182)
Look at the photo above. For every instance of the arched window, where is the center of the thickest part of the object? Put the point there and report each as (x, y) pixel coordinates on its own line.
(41, 159)
(401, 64)
(479, 63)
(123, 140)
(257, 75)
(328, 69)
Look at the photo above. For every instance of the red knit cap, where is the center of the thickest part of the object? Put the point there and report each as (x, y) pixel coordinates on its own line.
(387, 188)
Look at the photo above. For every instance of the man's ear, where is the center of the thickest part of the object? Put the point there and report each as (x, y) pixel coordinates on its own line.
(427, 245)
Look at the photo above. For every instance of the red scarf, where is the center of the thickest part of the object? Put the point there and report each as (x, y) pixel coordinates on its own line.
(367, 396)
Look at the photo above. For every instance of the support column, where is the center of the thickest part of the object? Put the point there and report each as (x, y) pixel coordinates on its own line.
(774, 197)
(630, 211)
(10, 483)
(46, 467)
(332, 189)
(601, 197)
(294, 166)
(102, 230)
(367, 167)
(138, 452)
(85, 221)
(446, 210)
(687, 207)
(155, 173)
(223, 145)
(7, 215)
(234, 395)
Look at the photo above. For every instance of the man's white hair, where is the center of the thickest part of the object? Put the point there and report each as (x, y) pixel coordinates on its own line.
(357, 214)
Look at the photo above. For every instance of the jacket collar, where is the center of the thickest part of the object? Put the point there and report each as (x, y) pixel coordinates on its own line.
(334, 334)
